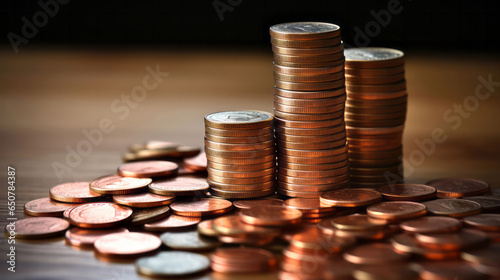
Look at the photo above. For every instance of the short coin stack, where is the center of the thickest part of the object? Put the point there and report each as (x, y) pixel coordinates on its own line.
(240, 150)
(309, 104)
(375, 115)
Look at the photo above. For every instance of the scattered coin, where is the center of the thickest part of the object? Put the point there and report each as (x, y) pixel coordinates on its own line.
(431, 224)
(197, 163)
(126, 244)
(270, 216)
(350, 197)
(37, 228)
(100, 215)
(452, 207)
(355, 222)
(143, 200)
(172, 223)
(80, 237)
(464, 239)
(396, 210)
(206, 228)
(202, 207)
(149, 215)
(116, 184)
(407, 243)
(241, 260)
(148, 169)
(459, 187)
(245, 204)
(74, 192)
(407, 192)
(172, 264)
(46, 207)
(374, 254)
(488, 203)
(449, 270)
(179, 186)
(188, 241)
(233, 225)
(486, 222)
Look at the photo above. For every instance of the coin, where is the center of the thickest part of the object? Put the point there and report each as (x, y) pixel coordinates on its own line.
(279, 58)
(241, 161)
(126, 244)
(310, 51)
(233, 225)
(179, 186)
(314, 239)
(46, 207)
(239, 154)
(243, 167)
(488, 203)
(374, 254)
(246, 204)
(452, 207)
(486, 222)
(80, 237)
(313, 174)
(172, 222)
(150, 154)
(449, 270)
(187, 241)
(466, 238)
(148, 169)
(239, 139)
(241, 181)
(313, 153)
(74, 192)
(37, 228)
(202, 207)
(408, 192)
(242, 174)
(242, 187)
(359, 222)
(309, 78)
(270, 216)
(373, 57)
(310, 132)
(99, 215)
(310, 86)
(239, 120)
(314, 181)
(206, 228)
(488, 255)
(243, 194)
(149, 215)
(304, 30)
(116, 184)
(431, 225)
(313, 167)
(406, 243)
(291, 188)
(242, 260)
(376, 80)
(306, 43)
(374, 72)
(459, 187)
(172, 264)
(255, 133)
(143, 200)
(396, 210)
(309, 205)
(331, 68)
(197, 163)
(311, 139)
(351, 197)
(302, 159)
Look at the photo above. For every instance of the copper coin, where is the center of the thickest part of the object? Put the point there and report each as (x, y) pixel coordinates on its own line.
(313, 174)
(408, 192)
(308, 71)
(242, 259)
(339, 106)
(374, 72)
(202, 207)
(197, 163)
(458, 187)
(172, 222)
(314, 153)
(243, 186)
(148, 169)
(188, 241)
(396, 210)
(386, 272)
(313, 188)
(239, 154)
(310, 78)
(308, 205)
(316, 102)
(466, 238)
(406, 243)
(313, 167)
(374, 254)
(127, 244)
(179, 186)
(239, 139)
(239, 146)
(332, 93)
(116, 184)
(74, 192)
(310, 132)
(232, 225)
(243, 167)
(313, 160)
(254, 133)
(280, 123)
(245, 204)
(377, 80)
(449, 270)
(304, 30)
(313, 238)
(351, 197)
(488, 203)
(355, 222)
(149, 215)
(241, 181)
(67, 212)
(172, 264)
(206, 228)
(270, 216)
(431, 225)
(46, 207)
(283, 59)
(86, 237)
(488, 255)
(452, 207)
(37, 228)
(99, 215)
(242, 194)
(251, 239)
(143, 200)
(178, 152)
(241, 161)
(486, 222)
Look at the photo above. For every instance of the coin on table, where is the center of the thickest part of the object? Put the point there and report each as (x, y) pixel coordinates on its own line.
(179, 186)
(464, 239)
(396, 210)
(80, 237)
(74, 192)
(232, 225)
(407, 192)
(245, 204)
(37, 228)
(309, 205)
(431, 224)
(197, 163)
(188, 241)
(172, 264)
(172, 223)
(239, 120)
(488, 203)
(206, 228)
(373, 57)
(355, 222)
(486, 222)
(143, 200)
(126, 244)
(452, 207)
(242, 260)
(350, 197)
(406, 243)
(46, 207)
(488, 255)
(374, 254)
(314, 239)
(116, 184)
(149, 215)
(100, 215)
(386, 272)
(148, 169)
(452, 269)
(202, 207)
(459, 187)
(270, 216)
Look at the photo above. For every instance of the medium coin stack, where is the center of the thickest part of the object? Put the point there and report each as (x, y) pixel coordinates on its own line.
(375, 115)
(309, 104)
(240, 151)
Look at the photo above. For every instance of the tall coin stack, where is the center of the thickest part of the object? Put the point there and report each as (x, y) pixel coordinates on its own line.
(309, 104)
(241, 154)
(375, 115)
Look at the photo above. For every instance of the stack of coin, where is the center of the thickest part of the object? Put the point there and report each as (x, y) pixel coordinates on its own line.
(375, 115)
(309, 106)
(240, 151)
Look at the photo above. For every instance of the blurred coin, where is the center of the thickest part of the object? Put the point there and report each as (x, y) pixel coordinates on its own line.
(488, 203)
(452, 207)
(396, 210)
(206, 228)
(202, 207)
(351, 197)
(46, 207)
(463, 239)
(270, 216)
(355, 222)
(197, 163)
(149, 215)
(486, 222)
(246, 204)
(308, 205)
(408, 192)
(431, 225)
(143, 200)
(374, 254)
(86, 237)
(116, 184)
(172, 223)
(449, 270)
(37, 228)
(407, 243)
(179, 186)
(99, 215)
(74, 192)
(459, 187)
(187, 241)
(126, 244)
(148, 169)
(487, 255)
(172, 264)
(233, 225)
(242, 260)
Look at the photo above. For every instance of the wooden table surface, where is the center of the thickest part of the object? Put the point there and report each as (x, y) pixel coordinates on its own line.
(50, 96)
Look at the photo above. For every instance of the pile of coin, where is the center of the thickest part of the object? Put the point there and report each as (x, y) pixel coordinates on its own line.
(375, 115)
(239, 147)
(309, 103)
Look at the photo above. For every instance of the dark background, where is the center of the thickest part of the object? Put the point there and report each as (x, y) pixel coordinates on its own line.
(422, 24)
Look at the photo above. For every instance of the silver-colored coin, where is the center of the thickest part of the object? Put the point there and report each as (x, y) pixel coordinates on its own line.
(188, 241)
(172, 264)
(364, 54)
(239, 117)
(304, 27)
